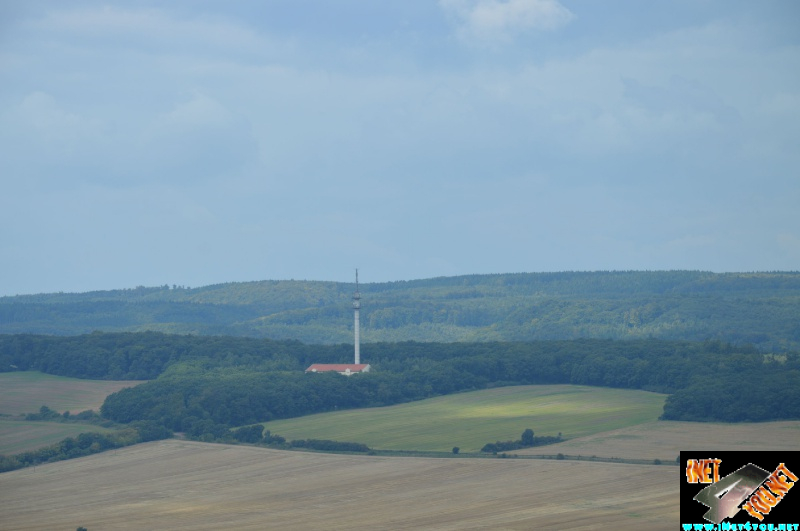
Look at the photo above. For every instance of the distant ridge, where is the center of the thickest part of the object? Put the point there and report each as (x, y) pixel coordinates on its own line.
(762, 308)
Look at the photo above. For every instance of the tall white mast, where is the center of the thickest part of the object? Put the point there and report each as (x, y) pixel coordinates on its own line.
(356, 307)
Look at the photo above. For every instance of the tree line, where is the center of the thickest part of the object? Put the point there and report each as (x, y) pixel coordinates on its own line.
(86, 444)
(526, 440)
(204, 386)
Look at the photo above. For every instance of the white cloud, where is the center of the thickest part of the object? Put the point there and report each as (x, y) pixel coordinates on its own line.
(496, 21)
(140, 36)
(159, 27)
(39, 132)
(199, 112)
(197, 139)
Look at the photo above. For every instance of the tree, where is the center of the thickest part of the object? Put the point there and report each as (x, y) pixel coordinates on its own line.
(150, 430)
(249, 434)
(527, 437)
(489, 448)
(456, 449)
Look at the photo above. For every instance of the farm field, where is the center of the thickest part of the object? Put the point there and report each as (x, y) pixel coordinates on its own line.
(665, 439)
(178, 485)
(27, 391)
(470, 420)
(20, 436)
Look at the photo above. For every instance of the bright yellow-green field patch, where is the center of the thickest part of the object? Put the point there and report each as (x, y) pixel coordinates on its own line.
(470, 420)
(26, 392)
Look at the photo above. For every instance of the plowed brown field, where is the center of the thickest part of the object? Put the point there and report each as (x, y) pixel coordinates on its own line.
(187, 485)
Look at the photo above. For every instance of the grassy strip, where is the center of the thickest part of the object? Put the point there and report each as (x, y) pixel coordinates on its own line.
(471, 455)
(484, 455)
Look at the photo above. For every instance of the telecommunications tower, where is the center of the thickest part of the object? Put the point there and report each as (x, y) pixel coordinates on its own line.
(356, 307)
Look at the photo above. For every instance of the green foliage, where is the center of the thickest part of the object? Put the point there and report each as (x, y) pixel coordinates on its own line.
(150, 431)
(329, 446)
(249, 434)
(45, 413)
(203, 386)
(199, 401)
(146, 355)
(738, 390)
(456, 449)
(86, 444)
(274, 440)
(757, 308)
(527, 438)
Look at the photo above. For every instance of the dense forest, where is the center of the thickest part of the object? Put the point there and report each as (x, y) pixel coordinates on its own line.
(204, 386)
(761, 309)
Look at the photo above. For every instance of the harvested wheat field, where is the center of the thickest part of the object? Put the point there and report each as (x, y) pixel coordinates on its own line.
(18, 436)
(27, 391)
(187, 485)
(665, 439)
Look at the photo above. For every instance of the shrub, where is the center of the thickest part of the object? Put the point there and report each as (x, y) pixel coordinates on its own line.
(329, 446)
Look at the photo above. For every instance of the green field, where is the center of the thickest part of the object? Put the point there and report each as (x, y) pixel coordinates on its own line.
(470, 420)
(25, 392)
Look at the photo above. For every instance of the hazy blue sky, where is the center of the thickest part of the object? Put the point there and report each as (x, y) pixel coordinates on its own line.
(198, 142)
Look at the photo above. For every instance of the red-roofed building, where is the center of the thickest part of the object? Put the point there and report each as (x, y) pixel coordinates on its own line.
(342, 368)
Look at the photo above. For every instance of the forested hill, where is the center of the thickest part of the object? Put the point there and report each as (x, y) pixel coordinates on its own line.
(758, 308)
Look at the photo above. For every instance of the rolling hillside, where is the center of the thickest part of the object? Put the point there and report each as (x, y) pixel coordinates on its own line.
(470, 420)
(757, 308)
(189, 485)
(27, 392)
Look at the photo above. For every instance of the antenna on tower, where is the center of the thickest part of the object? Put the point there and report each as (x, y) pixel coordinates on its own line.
(356, 307)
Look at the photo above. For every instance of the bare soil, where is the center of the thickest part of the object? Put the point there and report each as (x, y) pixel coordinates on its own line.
(188, 485)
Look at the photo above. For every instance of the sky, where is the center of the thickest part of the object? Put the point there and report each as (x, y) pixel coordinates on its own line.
(196, 142)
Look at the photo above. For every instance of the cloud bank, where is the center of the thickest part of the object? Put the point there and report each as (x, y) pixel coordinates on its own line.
(498, 21)
(195, 144)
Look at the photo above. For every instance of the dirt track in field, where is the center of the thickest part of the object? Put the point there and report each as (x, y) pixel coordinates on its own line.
(181, 485)
(665, 439)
